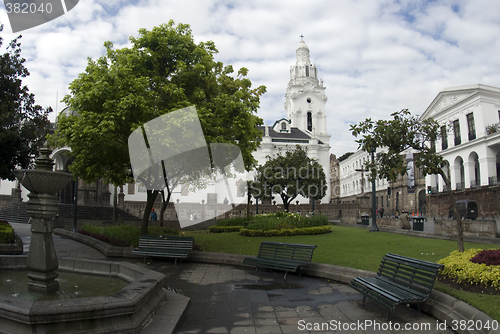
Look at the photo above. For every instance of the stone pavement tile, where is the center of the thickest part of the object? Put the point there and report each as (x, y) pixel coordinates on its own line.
(344, 288)
(242, 330)
(291, 328)
(265, 308)
(243, 322)
(266, 322)
(284, 314)
(281, 303)
(265, 315)
(217, 330)
(307, 311)
(288, 320)
(268, 329)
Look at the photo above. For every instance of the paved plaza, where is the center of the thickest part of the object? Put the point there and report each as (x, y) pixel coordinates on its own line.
(234, 299)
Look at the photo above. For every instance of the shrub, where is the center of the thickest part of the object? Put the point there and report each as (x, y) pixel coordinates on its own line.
(223, 229)
(285, 232)
(236, 221)
(272, 224)
(6, 232)
(459, 268)
(104, 238)
(124, 235)
(490, 257)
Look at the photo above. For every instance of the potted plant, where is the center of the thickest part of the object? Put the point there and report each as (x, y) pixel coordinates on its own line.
(492, 128)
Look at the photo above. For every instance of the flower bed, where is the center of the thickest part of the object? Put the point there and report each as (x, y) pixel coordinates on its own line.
(460, 268)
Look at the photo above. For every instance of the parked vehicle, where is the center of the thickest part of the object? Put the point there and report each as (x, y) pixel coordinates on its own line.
(466, 208)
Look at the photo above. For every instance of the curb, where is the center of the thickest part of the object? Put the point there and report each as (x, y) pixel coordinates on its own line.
(443, 307)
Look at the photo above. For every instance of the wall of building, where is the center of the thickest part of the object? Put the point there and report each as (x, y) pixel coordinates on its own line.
(487, 198)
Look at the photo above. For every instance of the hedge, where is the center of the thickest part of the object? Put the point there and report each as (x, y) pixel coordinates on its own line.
(285, 232)
(224, 229)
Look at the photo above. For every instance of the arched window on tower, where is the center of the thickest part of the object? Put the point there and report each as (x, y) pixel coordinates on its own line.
(309, 121)
(283, 126)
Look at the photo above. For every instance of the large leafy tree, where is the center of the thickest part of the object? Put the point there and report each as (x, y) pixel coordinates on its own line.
(405, 132)
(289, 175)
(22, 122)
(163, 70)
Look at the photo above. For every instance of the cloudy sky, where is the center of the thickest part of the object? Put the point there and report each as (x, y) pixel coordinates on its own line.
(374, 56)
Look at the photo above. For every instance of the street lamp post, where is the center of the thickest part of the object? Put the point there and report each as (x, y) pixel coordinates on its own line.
(374, 212)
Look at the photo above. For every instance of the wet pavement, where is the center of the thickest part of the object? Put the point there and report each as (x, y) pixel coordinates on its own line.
(234, 299)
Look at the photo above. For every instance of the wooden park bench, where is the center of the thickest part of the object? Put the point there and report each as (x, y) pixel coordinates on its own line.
(281, 256)
(168, 246)
(399, 280)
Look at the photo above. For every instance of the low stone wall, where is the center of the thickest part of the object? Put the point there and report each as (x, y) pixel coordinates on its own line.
(477, 228)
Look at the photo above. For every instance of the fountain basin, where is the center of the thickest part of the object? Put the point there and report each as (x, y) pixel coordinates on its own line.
(124, 312)
(42, 181)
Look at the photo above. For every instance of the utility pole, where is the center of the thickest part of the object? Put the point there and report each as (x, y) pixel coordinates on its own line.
(374, 203)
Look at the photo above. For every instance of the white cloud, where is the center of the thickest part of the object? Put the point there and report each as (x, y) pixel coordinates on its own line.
(375, 56)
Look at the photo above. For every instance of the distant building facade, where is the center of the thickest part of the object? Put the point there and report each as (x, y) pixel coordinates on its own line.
(394, 197)
(469, 118)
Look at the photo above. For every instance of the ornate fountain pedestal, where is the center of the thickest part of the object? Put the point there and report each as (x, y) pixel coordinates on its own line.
(42, 258)
(43, 184)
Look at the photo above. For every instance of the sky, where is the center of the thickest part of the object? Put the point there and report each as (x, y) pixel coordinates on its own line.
(375, 57)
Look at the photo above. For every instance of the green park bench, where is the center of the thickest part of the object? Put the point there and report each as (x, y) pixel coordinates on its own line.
(168, 246)
(399, 280)
(281, 256)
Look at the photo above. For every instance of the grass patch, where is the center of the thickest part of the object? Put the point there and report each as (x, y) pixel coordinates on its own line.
(357, 248)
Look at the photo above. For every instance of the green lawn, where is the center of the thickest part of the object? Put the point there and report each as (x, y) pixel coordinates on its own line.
(357, 248)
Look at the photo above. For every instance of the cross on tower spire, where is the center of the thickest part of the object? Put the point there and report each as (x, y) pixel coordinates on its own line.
(302, 37)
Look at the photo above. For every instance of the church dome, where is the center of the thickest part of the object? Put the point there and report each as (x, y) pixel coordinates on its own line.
(302, 45)
(303, 56)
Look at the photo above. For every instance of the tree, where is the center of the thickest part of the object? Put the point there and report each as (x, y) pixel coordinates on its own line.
(289, 175)
(405, 132)
(164, 70)
(22, 122)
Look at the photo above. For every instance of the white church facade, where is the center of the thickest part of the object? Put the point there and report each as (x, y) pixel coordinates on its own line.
(305, 124)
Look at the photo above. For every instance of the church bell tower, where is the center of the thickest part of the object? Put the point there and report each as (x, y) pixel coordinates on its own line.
(305, 96)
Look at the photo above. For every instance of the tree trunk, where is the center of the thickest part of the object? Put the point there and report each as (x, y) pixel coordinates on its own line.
(147, 211)
(458, 219)
(285, 201)
(115, 202)
(164, 205)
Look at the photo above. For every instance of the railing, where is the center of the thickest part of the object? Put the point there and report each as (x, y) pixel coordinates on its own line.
(474, 184)
(493, 181)
(434, 190)
(461, 186)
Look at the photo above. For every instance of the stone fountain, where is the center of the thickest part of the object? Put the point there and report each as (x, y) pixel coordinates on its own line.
(43, 184)
(125, 311)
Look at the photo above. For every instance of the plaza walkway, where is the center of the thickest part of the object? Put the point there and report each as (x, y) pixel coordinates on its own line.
(233, 299)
